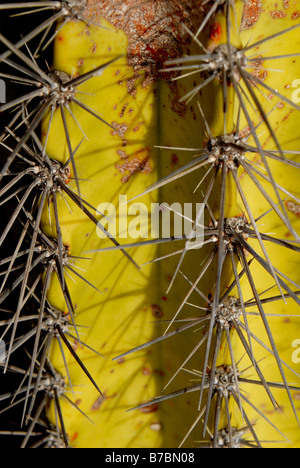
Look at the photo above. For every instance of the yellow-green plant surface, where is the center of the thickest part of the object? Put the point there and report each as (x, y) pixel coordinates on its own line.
(121, 316)
(284, 120)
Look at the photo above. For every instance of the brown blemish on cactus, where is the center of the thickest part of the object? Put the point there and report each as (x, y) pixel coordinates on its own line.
(120, 129)
(140, 162)
(136, 129)
(98, 403)
(174, 160)
(245, 132)
(67, 176)
(157, 311)
(149, 409)
(124, 109)
(259, 70)
(122, 154)
(146, 371)
(74, 437)
(293, 207)
(251, 13)
(216, 31)
(156, 30)
(287, 116)
(179, 107)
(278, 14)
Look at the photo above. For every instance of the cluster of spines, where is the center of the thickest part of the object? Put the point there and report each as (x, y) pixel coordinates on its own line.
(31, 184)
(42, 179)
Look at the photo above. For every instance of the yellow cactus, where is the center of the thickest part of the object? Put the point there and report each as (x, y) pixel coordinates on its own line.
(114, 165)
